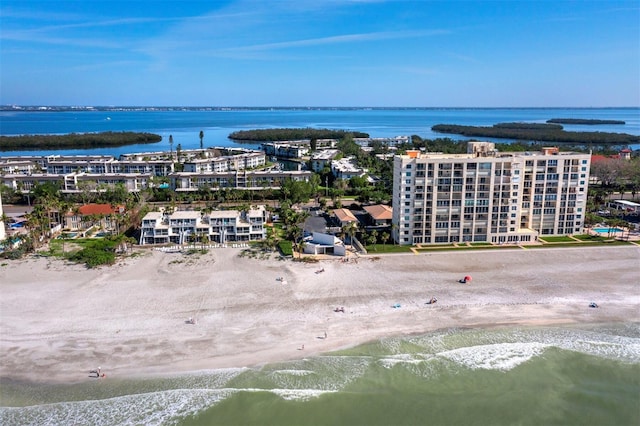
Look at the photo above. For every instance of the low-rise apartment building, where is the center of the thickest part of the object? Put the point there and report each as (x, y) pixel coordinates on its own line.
(220, 226)
(346, 168)
(393, 141)
(488, 196)
(287, 149)
(251, 180)
(322, 159)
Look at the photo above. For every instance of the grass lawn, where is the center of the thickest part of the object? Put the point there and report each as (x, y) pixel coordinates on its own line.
(587, 237)
(583, 244)
(387, 248)
(285, 248)
(557, 239)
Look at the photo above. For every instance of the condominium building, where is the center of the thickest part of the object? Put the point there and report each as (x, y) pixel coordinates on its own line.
(488, 196)
(321, 159)
(219, 226)
(2, 231)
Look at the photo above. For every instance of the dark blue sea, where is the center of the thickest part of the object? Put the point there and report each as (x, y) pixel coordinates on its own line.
(185, 125)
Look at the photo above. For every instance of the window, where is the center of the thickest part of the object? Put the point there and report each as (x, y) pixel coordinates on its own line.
(408, 174)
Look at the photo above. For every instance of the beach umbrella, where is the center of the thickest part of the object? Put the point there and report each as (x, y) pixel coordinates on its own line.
(467, 278)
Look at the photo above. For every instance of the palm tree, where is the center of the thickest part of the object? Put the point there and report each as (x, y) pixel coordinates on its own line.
(299, 247)
(171, 145)
(350, 229)
(201, 138)
(385, 237)
(373, 237)
(394, 228)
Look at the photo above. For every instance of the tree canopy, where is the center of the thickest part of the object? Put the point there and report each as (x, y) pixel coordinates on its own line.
(525, 132)
(76, 140)
(262, 135)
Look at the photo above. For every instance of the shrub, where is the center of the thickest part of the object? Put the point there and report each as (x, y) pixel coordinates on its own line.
(285, 248)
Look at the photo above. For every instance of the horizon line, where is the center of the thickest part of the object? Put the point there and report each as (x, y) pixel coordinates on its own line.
(16, 106)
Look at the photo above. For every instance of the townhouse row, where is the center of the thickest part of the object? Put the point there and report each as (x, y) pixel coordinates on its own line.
(220, 226)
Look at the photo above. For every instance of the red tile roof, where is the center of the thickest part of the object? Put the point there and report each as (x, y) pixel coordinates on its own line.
(379, 212)
(103, 209)
(597, 158)
(344, 215)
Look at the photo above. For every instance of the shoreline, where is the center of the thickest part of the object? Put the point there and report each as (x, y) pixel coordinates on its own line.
(131, 318)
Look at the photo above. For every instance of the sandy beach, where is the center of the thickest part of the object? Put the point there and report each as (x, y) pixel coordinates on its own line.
(58, 320)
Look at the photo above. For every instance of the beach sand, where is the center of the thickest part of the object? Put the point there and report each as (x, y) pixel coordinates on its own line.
(58, 320)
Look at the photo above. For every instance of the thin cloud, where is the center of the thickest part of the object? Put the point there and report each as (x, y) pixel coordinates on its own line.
(107, 23)
(464, 58)
(342, 39)
(62, 41)
(35, 15)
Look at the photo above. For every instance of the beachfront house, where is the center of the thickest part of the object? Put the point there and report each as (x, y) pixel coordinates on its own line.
(320, 243)
(101, 216)
(379, 215)
(343, 217)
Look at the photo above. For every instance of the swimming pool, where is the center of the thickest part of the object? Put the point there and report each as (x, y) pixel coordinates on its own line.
(607, 230)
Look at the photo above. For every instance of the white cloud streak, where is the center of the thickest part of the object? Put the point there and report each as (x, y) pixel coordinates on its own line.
(343, 39)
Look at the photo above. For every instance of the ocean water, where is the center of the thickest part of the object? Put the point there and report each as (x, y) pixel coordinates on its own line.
(185, 126)
(565, 375)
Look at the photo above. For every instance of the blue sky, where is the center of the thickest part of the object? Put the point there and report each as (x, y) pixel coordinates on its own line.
(320, 53)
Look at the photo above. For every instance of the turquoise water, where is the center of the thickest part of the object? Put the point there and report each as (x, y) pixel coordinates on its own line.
(577, 375)
(607, 230)
(185, 126)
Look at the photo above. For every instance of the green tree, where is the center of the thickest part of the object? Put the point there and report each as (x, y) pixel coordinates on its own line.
(385, 238)
(201, 138)
(296, 191)
(371, 239)
(350, 229)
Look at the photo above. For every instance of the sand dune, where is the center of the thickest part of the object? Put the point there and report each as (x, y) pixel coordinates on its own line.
(58, 321)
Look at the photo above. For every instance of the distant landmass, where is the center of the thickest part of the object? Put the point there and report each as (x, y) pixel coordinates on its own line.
(262, 135)
(76, 140)
(583, 121)
(538, 132)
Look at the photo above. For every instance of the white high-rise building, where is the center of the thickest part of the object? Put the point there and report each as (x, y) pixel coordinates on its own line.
(3, 235)
(488, 196)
